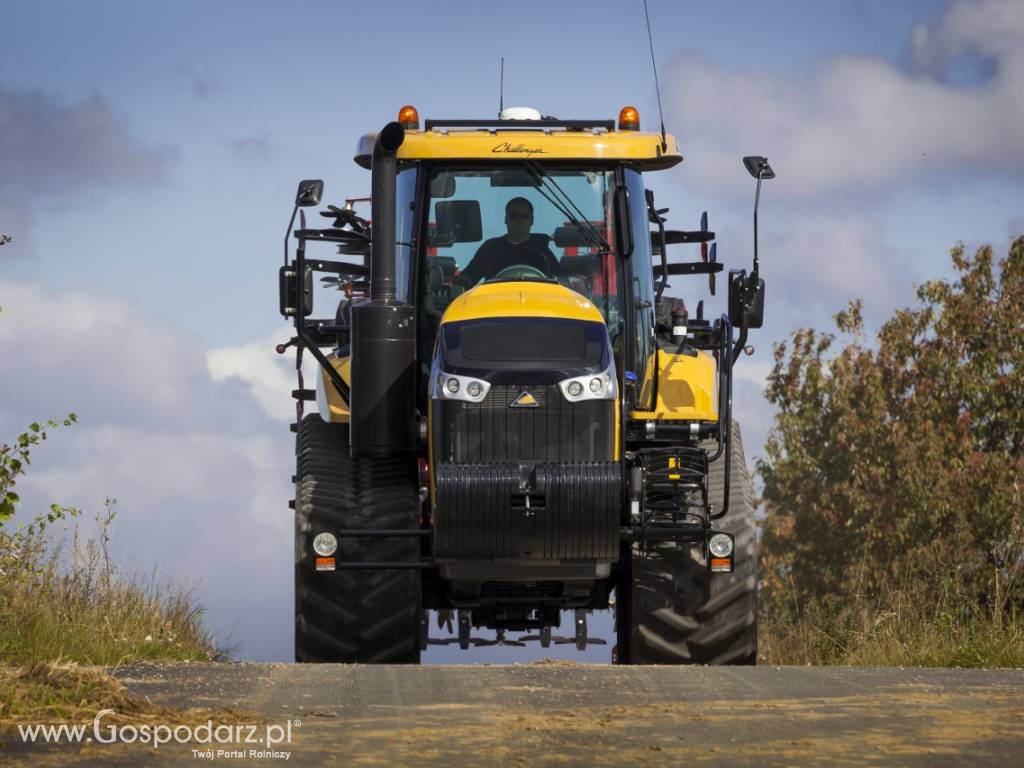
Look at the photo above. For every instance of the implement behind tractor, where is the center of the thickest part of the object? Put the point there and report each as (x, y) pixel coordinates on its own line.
(513, 421)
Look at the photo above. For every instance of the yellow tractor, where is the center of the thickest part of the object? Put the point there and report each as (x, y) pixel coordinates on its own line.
(512, 420)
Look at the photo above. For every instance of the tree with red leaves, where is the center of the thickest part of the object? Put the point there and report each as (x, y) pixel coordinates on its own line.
(906, 453)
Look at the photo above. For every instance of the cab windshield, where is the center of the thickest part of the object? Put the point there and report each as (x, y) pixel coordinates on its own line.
(521, 222)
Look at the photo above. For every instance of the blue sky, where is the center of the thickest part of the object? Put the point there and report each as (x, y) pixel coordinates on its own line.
(149, 152)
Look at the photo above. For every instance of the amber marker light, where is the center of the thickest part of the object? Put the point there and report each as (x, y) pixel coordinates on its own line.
(629, 119)
(409, 117)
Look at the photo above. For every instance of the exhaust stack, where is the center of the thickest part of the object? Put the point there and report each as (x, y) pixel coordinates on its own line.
(383, 330)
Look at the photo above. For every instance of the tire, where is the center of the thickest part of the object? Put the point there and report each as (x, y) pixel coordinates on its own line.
(682, 614)
(365, 616)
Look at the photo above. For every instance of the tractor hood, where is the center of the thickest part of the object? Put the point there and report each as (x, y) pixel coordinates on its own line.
(524, 331)
(521, 298)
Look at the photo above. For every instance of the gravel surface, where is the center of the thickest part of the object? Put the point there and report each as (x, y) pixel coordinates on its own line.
(562, 713)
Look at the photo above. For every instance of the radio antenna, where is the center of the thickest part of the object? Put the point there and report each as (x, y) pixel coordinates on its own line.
(657, 90)
(501, 88)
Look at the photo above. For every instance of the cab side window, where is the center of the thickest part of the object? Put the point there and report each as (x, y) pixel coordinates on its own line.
(404, 200)
(644, 363)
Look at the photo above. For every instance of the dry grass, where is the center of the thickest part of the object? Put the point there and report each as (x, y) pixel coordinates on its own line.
(931, 621)
(45, 692)
(68, 602)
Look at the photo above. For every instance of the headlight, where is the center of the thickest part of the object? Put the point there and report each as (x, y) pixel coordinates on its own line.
(720, 545)
(325, 544)
(590, 387)
(448, 386)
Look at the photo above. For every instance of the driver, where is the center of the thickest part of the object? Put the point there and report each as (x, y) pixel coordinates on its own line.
(516, 247)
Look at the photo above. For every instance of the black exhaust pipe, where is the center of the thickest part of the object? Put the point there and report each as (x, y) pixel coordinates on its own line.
(382, 421)
(382, 212)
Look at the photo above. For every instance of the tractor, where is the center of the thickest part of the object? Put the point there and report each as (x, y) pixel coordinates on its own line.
(513, 421)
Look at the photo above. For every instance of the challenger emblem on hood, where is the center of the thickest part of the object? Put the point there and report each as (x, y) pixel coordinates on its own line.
(525, 400)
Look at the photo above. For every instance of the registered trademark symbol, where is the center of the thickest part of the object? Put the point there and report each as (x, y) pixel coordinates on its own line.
(296, 722)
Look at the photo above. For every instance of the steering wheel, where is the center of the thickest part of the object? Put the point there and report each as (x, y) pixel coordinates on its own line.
(519, 272)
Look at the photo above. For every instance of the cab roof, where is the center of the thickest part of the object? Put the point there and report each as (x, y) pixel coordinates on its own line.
(530, 140)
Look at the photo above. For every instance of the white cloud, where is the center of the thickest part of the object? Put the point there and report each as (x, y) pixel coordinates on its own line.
(990, 28)
(269, 377)
(820, 262)
(859, 123)
(200, 472)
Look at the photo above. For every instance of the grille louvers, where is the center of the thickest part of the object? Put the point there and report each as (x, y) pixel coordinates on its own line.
(556, 431)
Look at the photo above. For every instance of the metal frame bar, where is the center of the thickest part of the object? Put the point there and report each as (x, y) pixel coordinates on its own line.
(383, 533)
(300, 322)
(543, 123)
(384, 566)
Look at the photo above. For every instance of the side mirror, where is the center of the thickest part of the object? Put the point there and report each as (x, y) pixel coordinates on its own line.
(291, 293)
(309, 193)
(739, 293)
(751, 289)
(757, 166)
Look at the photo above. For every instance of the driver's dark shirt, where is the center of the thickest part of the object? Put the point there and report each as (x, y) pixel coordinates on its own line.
(498, 253)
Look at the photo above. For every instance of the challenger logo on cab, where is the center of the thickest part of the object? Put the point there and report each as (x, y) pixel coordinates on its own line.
(517, 149)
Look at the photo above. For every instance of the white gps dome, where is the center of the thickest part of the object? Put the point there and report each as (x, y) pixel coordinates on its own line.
(519, 113)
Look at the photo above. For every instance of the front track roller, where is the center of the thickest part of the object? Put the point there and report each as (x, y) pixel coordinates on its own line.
(683, 614)
(365, 616)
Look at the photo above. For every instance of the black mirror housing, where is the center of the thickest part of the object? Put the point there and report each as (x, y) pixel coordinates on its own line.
(309, 193)
(737, 291)
(757, 166)
(289, 292)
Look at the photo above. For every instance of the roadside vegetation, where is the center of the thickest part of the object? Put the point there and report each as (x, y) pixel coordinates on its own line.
(45, 692)
(63, 598)
(64, 603)
(894, 481)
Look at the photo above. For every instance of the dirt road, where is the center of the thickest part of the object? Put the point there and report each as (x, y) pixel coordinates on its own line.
(569, 714)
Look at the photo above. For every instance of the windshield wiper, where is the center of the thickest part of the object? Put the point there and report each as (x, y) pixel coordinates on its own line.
(587, 229)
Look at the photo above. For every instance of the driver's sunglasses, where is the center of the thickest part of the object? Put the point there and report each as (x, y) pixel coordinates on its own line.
(518, 216)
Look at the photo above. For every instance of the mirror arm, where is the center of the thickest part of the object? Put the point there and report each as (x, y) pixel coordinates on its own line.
(288, 232)
(757, 202)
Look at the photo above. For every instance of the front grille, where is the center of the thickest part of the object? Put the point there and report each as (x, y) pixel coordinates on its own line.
(556, 431)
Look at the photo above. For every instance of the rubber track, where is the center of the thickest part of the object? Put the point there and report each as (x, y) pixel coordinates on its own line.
(681, 613)
(353, 616)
